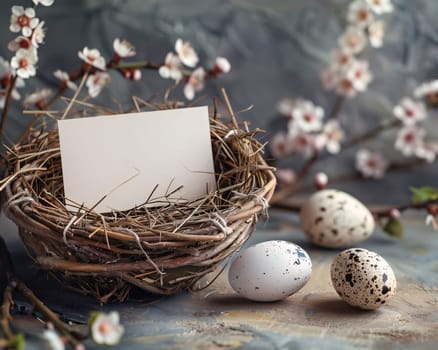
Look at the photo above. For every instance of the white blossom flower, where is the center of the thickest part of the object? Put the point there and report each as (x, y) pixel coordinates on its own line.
(106, 329)
(186, 53)
(96, 82)
(92, 57)
(304, 143)
(195, 83)
(394, 213)
(371, 164)
(331, 136)
(280, 145)
(353, 39)
(37, 97)
(360, 74)
(286, 105)
(359, 13)
(306, 117)
(432, 221)
(123, 48)
(321, 180)
(354, 78)
(345, 87)
(20, 42)
(222, 65)
(427, 151)
(409, 139)
(426, 89)
(53, 340)
(44, 2)
(38, 35)
(23, 20)
(285, 176)
(65, 79)
(380, 6)
(376, 33)
(341, 59)
(5, 80)
(171, 68)
(409, 111)
(24, 62)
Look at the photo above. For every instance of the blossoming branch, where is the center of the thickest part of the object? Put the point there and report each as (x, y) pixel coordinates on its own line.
(347, 74)
(180, 65)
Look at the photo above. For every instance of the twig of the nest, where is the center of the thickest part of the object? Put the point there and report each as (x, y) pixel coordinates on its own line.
(161, 249)
(12, 284)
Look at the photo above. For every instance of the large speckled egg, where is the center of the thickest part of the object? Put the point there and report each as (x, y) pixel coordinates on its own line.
(363, 278)
(270, 271)
(334, 219)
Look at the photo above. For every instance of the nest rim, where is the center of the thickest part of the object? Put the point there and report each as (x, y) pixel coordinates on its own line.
(83, 256)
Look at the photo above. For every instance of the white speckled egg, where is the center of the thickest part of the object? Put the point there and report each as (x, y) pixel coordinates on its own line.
(270, 271)
(334, 219)
(363, 278)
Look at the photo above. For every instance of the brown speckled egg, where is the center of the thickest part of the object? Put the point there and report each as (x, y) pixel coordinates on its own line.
(334, 219)
(363, 278)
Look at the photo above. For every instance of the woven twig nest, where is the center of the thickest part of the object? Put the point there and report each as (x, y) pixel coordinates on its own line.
(162, 250)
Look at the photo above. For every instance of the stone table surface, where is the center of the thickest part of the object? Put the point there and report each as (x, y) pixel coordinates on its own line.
(314, 318)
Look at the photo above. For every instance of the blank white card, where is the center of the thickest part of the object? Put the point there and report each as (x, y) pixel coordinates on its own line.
(117, 161)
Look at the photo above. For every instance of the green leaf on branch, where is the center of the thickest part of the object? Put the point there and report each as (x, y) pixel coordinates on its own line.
(424, 194)
(17, 342)
(394, 228)
(92, 318)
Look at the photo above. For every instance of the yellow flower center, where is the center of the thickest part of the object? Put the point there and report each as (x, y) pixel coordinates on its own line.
(362, 15)
(105, 328)
(23, 63)
(23, 21)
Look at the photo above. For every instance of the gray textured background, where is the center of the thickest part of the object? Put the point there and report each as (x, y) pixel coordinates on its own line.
(277, 48)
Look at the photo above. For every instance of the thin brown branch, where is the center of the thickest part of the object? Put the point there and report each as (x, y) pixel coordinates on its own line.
(282, 202)
(62, 88)
(336, 110)
(386, 125)
(282, 194)
(6, 316)
(6, 265)
(136, 65)
(13, 283)
(7, 105)
(370, 134)
(386, 211)
(306, 168)
(49, 314)
(7, 270)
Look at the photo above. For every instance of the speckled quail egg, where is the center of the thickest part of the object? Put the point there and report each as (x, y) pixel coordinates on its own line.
(270, 271)
(335, 219)
(363, 278)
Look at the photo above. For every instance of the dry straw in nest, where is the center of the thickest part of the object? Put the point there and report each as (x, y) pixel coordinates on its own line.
(161, 250)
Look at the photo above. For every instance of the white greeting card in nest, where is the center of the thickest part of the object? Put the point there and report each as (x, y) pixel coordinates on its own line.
(119, 162)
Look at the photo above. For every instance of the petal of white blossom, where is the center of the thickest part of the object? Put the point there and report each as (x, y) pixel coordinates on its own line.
(29, 12)
(14, 27)
(17, 10)
(26, 31)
